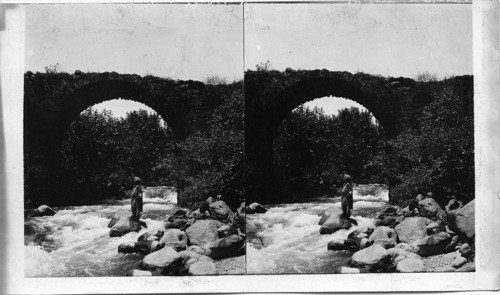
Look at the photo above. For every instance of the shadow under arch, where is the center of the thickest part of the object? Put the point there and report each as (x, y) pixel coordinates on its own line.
(271, 96)
(293, 165)
(101, 91)
(311, 89)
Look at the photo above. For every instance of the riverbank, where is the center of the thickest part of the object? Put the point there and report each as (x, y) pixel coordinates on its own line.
(311, 237)
(82, 241)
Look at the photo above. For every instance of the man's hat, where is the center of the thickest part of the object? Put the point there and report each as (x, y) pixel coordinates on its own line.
(137, 180)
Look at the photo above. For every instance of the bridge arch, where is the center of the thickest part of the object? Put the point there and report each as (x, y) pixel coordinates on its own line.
(53, 100)
(270, 96)
(105, 90)
(307, 90)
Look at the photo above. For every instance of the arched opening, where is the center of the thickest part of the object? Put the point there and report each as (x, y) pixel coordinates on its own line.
(109, 143)
(319, 141)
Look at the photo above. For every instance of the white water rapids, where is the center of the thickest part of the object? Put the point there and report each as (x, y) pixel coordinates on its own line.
(286, 238)
(75, 242)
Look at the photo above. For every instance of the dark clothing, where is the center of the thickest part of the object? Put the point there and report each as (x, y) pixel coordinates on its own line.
(136, 202)
(347, 200)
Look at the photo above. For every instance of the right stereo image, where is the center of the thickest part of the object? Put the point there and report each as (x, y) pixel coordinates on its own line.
(359, 138)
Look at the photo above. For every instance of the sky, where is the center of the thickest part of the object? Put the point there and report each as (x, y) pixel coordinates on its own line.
(195, 41)
(179, 41)
(386, 39)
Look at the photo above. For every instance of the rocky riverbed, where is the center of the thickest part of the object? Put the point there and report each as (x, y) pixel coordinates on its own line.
(100, 240)
(422, 237)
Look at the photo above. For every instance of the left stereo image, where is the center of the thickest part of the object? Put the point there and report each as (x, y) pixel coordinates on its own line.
(133, 140)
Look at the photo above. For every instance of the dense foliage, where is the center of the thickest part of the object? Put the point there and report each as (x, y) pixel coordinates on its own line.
(102, 153)
(436, 154)
(210, 163)
(313, 149)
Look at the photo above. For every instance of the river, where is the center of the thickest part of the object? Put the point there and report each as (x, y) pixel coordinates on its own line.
(75, 242)
(286, 238)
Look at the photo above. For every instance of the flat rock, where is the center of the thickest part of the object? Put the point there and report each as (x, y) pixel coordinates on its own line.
(410, 265)
(123, 227)
(201, 268)
(333, 224)
(369, 256)
(163, 258)
(412, 229)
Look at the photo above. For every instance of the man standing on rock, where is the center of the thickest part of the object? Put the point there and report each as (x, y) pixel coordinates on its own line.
(347, 199)
(136, 200)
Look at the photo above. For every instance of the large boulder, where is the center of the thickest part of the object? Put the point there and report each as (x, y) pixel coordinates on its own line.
(384, 236)
(340, 244)
(434, 244)
(255, 208)
(369, 256)
(225, 247)
(333, 224)
(461, 221)
(220, 210)
(174, 238)
(410, 265)
(161, 259)
(43, 210)
(123, 227)
(429, 208)
(201, 268)
(412, 229)
(203, 232)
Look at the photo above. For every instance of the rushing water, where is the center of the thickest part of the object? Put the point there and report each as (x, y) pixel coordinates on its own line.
(286, 238)
(75, 242)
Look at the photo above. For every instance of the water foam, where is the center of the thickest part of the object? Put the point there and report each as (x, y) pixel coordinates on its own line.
(286, 238)
(75, 242)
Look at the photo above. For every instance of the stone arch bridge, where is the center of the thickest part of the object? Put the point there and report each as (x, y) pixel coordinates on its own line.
(270, 96)
(53, 100)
